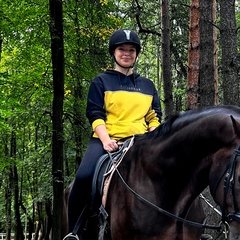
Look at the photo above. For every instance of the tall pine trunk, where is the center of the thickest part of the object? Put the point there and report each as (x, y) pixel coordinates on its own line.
(228, 37)
(193, 56)
(206, 72)
(215, 53)
(8, 192)
(166, 63)
(56, 31)
(18, 229)
(78, 91)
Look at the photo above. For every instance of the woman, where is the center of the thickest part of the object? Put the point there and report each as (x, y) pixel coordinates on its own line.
(120, 103)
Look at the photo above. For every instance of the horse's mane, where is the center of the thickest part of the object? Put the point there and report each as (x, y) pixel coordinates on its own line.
(163, 129)
(191, 115)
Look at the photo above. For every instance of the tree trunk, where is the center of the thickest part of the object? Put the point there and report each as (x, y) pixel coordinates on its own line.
(193, 56)
(206, 73)
(18, 233)
(48, 205)
(8, 193)
(215, 57)
(77, 124)
(228, 37)
(78, 91)
(18, 229)
(8, 201)
(56, 31)
(37, 230)
(166, 63)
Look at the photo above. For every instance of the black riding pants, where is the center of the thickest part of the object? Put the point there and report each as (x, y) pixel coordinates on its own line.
(80, 194)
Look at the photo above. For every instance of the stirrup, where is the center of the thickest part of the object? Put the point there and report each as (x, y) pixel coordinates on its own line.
(71, 236)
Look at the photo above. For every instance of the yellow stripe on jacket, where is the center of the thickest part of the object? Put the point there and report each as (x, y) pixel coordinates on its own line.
(127, 113)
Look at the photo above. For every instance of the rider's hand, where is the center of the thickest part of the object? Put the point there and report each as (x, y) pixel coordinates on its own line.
(110, 145)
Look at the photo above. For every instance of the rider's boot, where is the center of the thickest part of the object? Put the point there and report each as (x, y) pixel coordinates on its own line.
(79, 225)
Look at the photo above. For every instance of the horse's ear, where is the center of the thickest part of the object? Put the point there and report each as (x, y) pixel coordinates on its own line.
(236, 126)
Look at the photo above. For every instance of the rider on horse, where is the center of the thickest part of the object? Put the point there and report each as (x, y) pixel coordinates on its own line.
(120, 103)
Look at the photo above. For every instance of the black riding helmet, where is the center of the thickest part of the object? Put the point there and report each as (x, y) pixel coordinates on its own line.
(123, 36)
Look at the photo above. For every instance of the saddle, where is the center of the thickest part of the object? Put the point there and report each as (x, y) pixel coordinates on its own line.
(104, 168)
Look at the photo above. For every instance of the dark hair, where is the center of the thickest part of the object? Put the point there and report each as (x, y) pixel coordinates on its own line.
(123, 36)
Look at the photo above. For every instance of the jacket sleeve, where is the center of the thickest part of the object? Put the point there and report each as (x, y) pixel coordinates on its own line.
(95, 111)
(154, 115)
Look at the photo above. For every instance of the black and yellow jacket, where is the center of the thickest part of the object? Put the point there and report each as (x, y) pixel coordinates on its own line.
(127, 105)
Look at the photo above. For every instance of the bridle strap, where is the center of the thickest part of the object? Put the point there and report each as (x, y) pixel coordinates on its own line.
(229, 183)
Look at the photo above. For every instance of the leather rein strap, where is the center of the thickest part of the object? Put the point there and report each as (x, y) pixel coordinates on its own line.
(161, 210)
(228, 183)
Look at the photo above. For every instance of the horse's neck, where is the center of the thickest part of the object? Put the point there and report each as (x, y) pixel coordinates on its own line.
(184, 158)
(203, 136)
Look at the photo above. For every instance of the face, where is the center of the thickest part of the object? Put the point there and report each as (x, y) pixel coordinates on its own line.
(125, 55)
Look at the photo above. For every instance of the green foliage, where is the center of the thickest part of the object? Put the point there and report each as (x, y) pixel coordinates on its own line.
(26, 87)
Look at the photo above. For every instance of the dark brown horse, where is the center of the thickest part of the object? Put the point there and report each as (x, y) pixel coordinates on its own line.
(165, 170)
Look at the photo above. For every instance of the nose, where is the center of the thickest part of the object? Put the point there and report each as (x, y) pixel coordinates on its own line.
(126, 52)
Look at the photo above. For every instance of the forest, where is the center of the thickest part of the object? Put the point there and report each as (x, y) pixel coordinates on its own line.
(49, 53)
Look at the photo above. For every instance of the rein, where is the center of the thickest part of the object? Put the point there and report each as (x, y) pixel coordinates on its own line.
(228, 184)
(161, 210)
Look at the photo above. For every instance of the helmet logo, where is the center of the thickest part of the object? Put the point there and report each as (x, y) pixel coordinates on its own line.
(127, 32)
